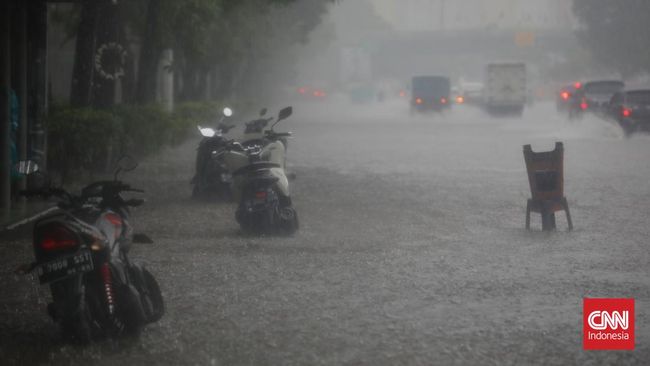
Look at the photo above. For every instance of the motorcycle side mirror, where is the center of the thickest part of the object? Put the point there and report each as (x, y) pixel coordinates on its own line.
(27, 167)
(285, 113)
(127, 163)
(263, 112)
(227, 112)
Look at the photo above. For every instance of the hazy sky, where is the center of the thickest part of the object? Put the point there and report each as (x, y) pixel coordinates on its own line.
(418, 15)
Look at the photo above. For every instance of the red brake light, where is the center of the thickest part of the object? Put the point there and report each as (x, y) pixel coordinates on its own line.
(58, 237)
(402, 93)
(583, 104)
(626, 112)
(302, 90)
(460, 99)
(577, 85)
(565, 95)
(443, 100)
(261, 195)
(418, 101)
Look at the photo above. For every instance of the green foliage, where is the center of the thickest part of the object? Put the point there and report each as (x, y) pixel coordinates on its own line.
(86, 139)
(616, 32)
(232, 43)
(80, 138)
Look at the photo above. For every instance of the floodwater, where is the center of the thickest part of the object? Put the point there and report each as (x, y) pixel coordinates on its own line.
(412, 250)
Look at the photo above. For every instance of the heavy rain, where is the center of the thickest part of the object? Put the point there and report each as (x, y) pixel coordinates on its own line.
(313, 182)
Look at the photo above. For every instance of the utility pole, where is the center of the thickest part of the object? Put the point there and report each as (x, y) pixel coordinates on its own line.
(23, 128)
(5, 107)
(442, 15)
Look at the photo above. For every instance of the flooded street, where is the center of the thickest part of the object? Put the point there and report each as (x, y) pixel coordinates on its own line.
(412, 250)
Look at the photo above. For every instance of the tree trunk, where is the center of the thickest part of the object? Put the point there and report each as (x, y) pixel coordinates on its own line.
(82, 74)
(107, 32)
(149, 55)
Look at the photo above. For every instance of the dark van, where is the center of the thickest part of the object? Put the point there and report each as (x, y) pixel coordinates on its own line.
(430, 93)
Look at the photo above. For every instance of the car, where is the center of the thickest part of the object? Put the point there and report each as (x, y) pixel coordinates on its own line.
(631, 109)
(594, 96)
(471, 93)
(564, 96)
(312, 93)
(430, 93)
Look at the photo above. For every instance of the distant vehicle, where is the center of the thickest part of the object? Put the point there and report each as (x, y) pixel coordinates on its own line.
(594, 96)
(631, 109)
(505, 88)
(361, 93)
(564, 96)
(312, 93)
(430, 93)
(470, 92)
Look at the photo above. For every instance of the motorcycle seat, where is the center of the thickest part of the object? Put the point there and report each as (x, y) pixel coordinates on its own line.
(255, 167)
(264, 177)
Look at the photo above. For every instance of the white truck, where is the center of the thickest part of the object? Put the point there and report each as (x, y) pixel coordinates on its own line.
(505, 88)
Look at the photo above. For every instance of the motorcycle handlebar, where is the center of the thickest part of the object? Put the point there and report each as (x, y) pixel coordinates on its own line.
(278, 134)
(134, 202)
(42, 192)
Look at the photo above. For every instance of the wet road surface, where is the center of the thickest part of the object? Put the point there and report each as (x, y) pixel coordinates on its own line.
(412, 250)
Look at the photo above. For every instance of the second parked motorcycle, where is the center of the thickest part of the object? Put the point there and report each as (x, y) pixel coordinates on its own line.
(260, 183)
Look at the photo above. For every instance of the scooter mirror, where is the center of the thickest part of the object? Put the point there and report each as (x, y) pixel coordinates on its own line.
(227, 112)
(127, 163)
(285, 113)
(27, 167)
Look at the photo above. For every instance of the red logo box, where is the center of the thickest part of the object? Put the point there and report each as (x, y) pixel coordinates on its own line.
(608, 324)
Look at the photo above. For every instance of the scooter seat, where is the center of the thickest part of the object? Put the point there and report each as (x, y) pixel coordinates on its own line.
(254, 167)
(263, 177)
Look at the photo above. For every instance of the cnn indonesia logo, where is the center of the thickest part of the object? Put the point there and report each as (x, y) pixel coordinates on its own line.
(608, 324)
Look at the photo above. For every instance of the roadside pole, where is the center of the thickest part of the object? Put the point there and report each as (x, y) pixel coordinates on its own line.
(5, 107)
(22, 87)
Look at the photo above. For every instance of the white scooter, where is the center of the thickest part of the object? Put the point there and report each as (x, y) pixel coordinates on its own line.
(260, 183)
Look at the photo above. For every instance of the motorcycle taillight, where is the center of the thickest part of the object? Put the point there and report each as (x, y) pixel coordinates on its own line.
(261, 195)
(57, 237)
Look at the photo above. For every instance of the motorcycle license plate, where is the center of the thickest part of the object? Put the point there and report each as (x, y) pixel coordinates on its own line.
(64, 267)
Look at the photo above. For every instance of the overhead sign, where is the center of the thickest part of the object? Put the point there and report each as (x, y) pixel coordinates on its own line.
(525, 39)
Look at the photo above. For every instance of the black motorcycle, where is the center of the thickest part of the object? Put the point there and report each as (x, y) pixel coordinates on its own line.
(81, 253)
(212, 177)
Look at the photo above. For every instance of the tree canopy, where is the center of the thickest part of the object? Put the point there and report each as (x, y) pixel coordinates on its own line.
(616, 32)
(218, 44)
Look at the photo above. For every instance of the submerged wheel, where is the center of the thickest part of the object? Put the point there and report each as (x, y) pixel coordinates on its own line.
(155, 296)
(288, 218)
